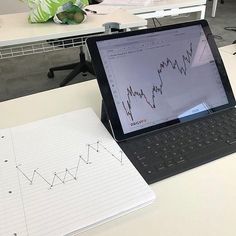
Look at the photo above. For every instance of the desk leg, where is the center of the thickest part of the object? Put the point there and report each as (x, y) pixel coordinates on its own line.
(201, 13)
(214, 6)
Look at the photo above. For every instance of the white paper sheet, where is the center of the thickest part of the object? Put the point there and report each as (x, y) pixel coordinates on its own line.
(64, 174)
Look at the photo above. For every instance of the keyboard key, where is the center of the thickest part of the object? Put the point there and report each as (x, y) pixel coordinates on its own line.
(179, 159)
(169, 162)
(160, 166)
(231, 141)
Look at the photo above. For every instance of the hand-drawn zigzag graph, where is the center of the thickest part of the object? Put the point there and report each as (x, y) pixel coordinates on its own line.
(70, 174)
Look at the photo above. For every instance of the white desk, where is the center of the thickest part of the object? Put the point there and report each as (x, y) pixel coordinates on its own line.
(230, 49)
(15, 29)
(199, 202)
(160, 8)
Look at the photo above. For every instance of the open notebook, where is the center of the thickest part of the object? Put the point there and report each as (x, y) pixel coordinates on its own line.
(64, 174)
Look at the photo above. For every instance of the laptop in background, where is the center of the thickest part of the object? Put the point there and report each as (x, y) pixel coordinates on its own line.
(167, 97)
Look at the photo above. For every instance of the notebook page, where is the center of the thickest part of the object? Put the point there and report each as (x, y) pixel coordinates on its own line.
(12, 218)
(67, 174)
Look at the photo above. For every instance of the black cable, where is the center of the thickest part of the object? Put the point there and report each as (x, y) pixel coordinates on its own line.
(154, 23)
(230, 28)
(155, 19)
(215, 36)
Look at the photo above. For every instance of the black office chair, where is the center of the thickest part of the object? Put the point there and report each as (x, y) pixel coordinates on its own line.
(83, 66)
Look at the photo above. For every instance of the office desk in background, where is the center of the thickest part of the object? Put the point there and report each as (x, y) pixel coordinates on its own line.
(159, 8)
(15, 28)
(199, 202)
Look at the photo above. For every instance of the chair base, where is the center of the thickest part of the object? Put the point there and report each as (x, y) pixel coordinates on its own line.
(82, 66)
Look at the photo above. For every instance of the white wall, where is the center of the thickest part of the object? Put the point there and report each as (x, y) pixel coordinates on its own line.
(12, 6)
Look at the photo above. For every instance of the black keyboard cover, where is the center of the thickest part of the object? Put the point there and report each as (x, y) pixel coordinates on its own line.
(162, 154)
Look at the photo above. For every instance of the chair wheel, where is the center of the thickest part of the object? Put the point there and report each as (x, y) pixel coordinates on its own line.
(50, 74)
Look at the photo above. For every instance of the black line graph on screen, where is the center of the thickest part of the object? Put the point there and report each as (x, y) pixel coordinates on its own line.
(180, 66)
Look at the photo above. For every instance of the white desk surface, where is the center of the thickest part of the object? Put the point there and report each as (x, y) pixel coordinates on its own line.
(154, 6)
(15, 28)
(230, 49)
(198, 202)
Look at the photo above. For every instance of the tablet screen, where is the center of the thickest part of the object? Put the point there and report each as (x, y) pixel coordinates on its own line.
(161, 76)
